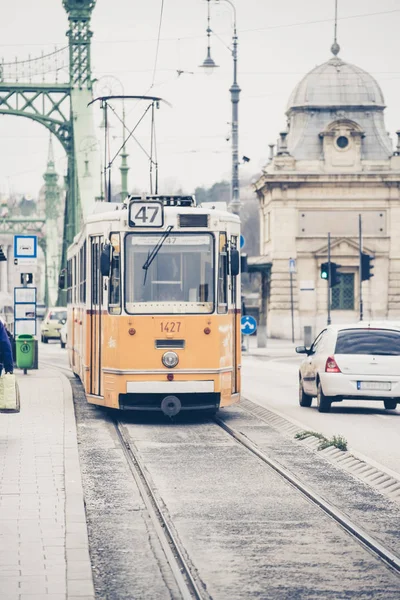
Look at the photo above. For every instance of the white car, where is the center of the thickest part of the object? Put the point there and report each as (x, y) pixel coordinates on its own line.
(353, 362)
(63, 335)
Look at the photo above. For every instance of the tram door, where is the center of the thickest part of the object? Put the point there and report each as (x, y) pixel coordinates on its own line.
(236, 332)
(95, 315)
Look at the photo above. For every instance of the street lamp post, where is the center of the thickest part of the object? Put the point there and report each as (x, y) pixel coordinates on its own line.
(208, 63)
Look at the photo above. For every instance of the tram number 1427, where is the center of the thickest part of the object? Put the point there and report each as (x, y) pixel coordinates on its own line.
(170, 326)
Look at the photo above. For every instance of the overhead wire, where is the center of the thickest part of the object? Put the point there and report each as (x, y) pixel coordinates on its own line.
(158, 42)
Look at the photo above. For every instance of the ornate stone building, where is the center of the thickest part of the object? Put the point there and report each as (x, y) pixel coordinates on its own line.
(334, 162)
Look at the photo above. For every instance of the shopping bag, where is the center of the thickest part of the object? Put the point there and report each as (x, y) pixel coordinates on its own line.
(9, 394)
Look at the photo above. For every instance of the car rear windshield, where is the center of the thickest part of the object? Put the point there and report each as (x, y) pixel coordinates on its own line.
(368, 341)
(57, 315)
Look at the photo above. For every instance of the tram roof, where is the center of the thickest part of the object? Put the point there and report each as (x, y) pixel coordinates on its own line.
(116, 210)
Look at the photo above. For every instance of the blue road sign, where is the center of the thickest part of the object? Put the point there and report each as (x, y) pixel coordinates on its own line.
(25, 246)
(292, 265)
(248, 325)
(242, 241)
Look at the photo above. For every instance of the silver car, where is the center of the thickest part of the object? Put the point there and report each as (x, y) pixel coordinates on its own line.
(353, 362)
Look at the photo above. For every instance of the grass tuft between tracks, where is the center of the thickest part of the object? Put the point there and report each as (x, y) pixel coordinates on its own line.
(338, 441)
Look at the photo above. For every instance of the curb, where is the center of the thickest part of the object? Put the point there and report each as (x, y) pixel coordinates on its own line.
(79, 568)
(384, 480)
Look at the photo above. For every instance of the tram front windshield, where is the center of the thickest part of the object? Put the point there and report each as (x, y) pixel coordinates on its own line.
(179, 279)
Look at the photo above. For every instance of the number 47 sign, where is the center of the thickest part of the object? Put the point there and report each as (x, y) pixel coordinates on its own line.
(146, 214)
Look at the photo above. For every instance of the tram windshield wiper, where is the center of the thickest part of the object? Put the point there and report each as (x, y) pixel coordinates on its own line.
(151, 256)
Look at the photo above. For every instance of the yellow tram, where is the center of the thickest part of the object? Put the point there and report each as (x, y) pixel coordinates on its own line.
(153, 292)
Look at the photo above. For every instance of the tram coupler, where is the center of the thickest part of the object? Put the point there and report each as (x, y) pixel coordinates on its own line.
(171, 406)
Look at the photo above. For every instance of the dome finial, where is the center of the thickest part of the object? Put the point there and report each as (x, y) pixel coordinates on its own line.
(335, 48)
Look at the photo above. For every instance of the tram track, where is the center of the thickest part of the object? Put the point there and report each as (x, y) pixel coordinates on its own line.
(53, 365)
(188, 586)
(378, 550)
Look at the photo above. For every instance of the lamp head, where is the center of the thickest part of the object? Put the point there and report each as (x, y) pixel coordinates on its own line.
(209, 64)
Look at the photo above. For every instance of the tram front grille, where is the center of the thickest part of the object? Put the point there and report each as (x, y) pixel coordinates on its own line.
(176, 344)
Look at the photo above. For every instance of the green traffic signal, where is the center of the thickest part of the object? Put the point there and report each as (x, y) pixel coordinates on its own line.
(334, 278)
(325, 271)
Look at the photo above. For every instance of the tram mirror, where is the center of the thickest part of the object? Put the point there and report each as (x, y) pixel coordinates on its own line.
(61, 280)
(235, 262)
(105, 260)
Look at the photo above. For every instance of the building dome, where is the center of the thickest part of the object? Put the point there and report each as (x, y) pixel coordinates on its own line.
(336, 84)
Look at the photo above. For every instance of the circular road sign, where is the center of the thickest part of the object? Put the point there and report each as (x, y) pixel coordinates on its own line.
(242, 241)
(248, 325)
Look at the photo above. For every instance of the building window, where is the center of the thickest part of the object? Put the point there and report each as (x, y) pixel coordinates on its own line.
(342, 141)
(343, 293)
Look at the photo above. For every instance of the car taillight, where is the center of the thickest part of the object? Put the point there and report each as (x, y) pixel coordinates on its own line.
(331, 365)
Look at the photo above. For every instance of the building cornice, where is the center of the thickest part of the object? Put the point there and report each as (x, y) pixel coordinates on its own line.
(271, 180)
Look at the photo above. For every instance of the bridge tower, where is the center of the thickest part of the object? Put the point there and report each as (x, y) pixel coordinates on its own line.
(63, 109)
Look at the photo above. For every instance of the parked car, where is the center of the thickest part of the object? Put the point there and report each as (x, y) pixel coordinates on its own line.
(40, 311)
(352, 362)
(63, 335)
(52, 323)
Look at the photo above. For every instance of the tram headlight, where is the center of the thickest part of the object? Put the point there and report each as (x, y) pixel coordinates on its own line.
(170, 359)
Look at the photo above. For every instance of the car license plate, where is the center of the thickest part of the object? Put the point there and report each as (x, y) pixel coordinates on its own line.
(374, 385)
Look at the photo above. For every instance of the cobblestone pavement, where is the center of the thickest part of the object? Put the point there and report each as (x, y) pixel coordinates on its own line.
(43, 537)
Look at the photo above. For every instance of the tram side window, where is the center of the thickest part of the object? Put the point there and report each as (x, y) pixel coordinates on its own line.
(95, 273)
(222, 275)
(69, 282)
(114, 303)
(75, 280)
(233, 281)
(82, 274)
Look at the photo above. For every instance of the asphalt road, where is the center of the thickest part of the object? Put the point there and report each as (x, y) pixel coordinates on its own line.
(367, 426)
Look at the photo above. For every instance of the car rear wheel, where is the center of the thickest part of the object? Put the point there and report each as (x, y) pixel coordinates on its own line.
(304, 399)
(63, 344)
(45, 340)
(323, 402)
(390, 404)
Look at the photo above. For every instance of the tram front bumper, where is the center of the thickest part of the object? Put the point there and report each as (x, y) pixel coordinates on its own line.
(151, 395)
(169, 387)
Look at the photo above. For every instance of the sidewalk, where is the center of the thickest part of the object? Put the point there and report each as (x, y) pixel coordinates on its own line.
(274, 349)
(44, 551)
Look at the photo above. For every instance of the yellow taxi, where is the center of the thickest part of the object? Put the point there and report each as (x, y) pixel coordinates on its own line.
(52, 323)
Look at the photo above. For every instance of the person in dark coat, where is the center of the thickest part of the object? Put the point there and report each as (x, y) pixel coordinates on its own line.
(6, 356)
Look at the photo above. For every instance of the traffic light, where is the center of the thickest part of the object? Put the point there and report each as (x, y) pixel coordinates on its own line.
(366, 266)
(334, 278)
(325, 271)
(26, 278)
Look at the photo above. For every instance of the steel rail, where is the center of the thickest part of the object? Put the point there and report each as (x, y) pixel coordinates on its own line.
(54, 365)
(366, 540)
(186, 583)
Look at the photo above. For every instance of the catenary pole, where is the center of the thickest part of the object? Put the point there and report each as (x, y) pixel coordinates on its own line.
(329, 279)
(360, 267)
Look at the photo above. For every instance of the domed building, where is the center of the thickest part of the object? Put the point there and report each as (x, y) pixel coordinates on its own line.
(333, 162)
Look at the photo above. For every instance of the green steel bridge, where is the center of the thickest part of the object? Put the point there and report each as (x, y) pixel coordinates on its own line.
(63, 109)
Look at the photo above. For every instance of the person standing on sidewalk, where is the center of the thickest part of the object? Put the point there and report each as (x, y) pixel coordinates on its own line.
(6, 356)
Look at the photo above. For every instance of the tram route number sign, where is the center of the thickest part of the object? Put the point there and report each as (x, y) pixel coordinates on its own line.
(248, 325)
(146, 214)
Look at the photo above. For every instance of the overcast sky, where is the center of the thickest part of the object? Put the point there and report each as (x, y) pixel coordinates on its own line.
(279, 42)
